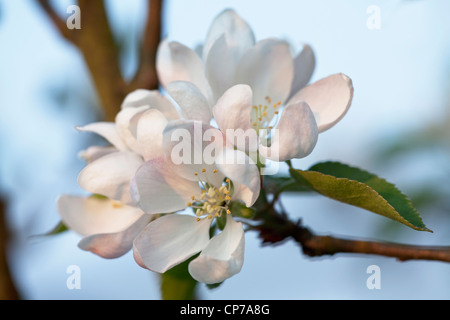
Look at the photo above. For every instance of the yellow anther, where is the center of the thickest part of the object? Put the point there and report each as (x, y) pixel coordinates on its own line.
(189, 204)
(264, 114)
(198, 219)
(195, 173)
(117, 204)
(227, 198)
(227, 180)
(228, 212)
(276, 112)
(203, 170)
(215, 171)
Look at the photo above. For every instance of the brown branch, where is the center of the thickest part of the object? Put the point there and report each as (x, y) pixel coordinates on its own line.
(277, 227)
(96, 42)
(55, 18)
(146, 76)
(7, 288)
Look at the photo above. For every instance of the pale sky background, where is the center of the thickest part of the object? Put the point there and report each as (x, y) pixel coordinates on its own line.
(401, 79)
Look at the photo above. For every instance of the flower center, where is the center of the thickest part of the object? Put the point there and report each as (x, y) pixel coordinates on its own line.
(213, 201)
(262, 116)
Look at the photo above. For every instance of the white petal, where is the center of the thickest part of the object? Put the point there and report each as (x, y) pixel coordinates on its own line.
(329, 99)
(114, 245)
(152, 99)
(192, 102)
(95, 152)
(108, 131)
(304, 64)
(126, 123)
(223, 257)
(295, 135)
(220, 67)
(170, 240)
(192, 147)
(150, 129)
(158, 189)
(268, 69)
(92, 215)
(176, 62)
(243, 172)
(238, 34)
(233, 114)
(110, 175)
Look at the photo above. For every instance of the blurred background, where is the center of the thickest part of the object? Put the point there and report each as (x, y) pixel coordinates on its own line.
(397, 127)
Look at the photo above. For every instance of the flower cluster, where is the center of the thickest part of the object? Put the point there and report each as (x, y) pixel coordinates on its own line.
(176, 166)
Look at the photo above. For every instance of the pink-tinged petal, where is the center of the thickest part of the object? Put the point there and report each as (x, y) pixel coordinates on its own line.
(170, 240)
(108, 131)
(268, 69)
(126, 123)
(304, 64)
(114, 245)
(191, 146)
(150, 129)
(176, 62)
(95, 152)
(152, 99)
(157, 188)
(238, 35)
(223, 257)
(233, 115)
(295, 136)
(191, 101)
(329, 99)
(92, 215)
(110, 175)
(243, 172)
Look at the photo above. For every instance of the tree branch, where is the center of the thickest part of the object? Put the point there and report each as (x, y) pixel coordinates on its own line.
(7, 288)
(56, 19)
(146, 77)
(96, 43)
(277, 227)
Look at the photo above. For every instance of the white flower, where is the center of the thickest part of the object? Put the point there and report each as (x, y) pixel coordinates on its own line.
(136, 136)
(246, 84)
(109, 225)
(160, 186)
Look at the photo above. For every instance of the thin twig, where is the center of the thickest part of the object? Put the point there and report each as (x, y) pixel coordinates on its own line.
(146, 77)
(276, 227)
(56, 19)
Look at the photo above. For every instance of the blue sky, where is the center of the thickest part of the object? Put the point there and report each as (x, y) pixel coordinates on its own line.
(400, 74)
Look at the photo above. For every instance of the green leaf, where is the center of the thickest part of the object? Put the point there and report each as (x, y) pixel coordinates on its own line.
(277, 184)
(361, 189)
(59, 228)
(178, 284)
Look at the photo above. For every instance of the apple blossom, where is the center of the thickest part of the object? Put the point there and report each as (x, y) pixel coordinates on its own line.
(246, 84)
(160, 186)
(109, 224)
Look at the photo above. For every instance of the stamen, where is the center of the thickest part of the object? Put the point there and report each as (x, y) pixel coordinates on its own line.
(213, 201)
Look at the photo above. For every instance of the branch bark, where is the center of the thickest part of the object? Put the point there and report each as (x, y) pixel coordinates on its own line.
(7, 289)
(146, 77)
(96, 42)
(277, 227)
